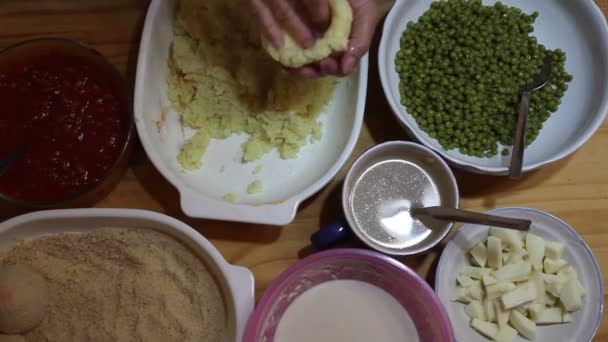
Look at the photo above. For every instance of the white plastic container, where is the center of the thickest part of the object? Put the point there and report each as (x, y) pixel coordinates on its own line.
(236, 282)
(286, 183)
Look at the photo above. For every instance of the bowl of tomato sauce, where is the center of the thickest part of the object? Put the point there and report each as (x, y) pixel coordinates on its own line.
(66, 124)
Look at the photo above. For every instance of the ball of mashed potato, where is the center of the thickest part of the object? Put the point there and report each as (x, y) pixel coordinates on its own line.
(23, 299)
(335, 39)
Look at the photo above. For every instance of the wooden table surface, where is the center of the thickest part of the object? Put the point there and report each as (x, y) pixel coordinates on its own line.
(575, 189)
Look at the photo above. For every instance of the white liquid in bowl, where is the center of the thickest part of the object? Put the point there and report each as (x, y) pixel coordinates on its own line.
(346, 311)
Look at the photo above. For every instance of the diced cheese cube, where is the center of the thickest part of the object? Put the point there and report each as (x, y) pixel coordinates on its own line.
(566, 317)
(536, 249)
(526, 327)
(509, 237)
(479, 254)
(570, 295)
(465, 281)
(475, 272)
(494, 252)
(580, 287)
(567, 272)
(487, 329)
(502, 315)
(475, 291)
(535, 310)
(505, 334)
(488, 280)
(550, 299)
(553, 265)
(521, 295)
(553, 249)
(539, 283)
(549, 316)
(513, 272)
(498, 289)
(553, 284)
(488, 308)
(460, 295)
(516, 257)
(475, 310)
(522, 309)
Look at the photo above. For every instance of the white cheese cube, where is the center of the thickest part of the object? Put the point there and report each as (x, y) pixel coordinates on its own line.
(549, 316)
(475, 291)
(513, 272)
(498, 289)
(487, 329)
(566, 317)
(488, 308)
(516, 257)
(509, 237)
(502, 315)
(554, 249)
(567, 272)
(494, 252)
(475, 310)
(522, 295)
(465, 281)
(479, 254)
(553, 284)
(550, 299)
(552, 265)
(475, 272)
(526, 327)
(570, 296)
(505, 334)
(539, 283)
(505, 257)
(460, 295)
(488, 280)
(536, 249)
(535, 310)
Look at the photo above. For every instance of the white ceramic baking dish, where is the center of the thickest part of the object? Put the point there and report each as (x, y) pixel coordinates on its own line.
(286, 183)
(236, 282)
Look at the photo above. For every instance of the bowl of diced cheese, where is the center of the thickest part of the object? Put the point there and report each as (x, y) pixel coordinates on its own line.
(505, 285)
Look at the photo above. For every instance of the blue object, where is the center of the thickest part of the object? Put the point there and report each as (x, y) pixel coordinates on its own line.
(331, 235)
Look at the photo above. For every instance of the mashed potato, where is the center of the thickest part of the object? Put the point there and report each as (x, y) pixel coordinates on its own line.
(224, 83)
(335, 39)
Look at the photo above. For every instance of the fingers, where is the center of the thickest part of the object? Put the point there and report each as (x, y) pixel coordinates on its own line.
(269, 26)
(319, 13)
(365, 18)
(286, 15)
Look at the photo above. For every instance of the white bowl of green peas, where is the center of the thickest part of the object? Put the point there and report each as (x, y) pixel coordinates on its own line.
(452, 72)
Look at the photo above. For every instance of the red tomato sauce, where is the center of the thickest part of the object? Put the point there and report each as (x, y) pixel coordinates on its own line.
(70, 117)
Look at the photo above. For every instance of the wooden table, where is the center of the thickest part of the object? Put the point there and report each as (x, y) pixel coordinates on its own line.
(575, 189)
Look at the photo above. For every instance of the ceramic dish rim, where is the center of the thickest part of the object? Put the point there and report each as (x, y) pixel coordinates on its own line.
(598, 19)
(279, 213)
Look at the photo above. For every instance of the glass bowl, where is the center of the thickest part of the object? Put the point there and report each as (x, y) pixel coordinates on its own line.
(10, 60)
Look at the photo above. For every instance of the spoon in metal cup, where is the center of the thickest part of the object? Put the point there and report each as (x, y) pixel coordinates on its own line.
(464, 216)
(519, 140)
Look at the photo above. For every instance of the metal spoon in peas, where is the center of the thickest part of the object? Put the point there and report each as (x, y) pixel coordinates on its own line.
(519, 140)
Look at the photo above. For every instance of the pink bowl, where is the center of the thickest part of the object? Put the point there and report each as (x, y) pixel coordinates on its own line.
(414, 294)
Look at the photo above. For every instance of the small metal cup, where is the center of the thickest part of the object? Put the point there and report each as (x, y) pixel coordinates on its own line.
(423, 234)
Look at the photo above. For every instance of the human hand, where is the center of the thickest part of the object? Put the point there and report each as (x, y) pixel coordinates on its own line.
(305, 19)
(365, 20)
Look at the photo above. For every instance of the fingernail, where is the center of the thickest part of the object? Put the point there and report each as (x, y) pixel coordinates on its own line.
(348, 64)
